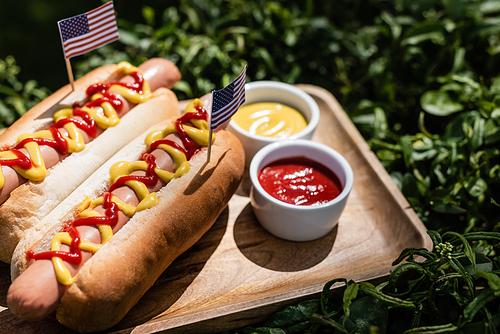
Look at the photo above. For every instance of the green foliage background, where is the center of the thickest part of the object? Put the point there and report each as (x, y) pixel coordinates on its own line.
(419, 79)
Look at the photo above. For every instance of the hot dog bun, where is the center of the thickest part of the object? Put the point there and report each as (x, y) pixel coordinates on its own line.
(32, 201)
(115, 278)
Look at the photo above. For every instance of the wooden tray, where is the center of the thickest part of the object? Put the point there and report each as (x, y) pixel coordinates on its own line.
(239, 274)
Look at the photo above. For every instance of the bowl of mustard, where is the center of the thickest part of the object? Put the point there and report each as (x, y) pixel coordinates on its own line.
(273, 111)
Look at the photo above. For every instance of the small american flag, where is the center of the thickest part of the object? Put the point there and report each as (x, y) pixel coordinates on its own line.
(86, 32)
(225, 102)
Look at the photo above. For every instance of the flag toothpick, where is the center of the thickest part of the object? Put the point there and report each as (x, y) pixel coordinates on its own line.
(70, 74)
(86, 32)
(225, 103)
(209, 145)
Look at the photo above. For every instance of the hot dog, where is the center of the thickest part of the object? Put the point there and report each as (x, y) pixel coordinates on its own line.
(106, 117)
(97, 292)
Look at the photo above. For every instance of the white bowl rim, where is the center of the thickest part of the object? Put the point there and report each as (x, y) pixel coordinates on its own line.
(311, 124)
(266, 150)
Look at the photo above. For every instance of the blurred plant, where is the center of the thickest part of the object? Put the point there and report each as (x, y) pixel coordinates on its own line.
(442, 58)
(16, 97)
(450, 178)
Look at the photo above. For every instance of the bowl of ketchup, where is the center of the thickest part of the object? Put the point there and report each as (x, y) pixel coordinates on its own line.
(299, 188)
(273, 111)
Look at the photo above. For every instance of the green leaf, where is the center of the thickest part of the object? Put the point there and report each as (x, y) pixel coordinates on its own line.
(184, 87)
(448, 208)
(482, 264)
(390, 300)
(433, 329)
(411, 251)
(476, 186)
(407, 147)
(439, 103)
(489, 7)
(6, 115)
(410, 188)
(293, 315)
(459, 268)
(491, 132)
(395, 26)
(435, 237)
(475, 236)
(424, 155)
(478, 134)
(482, 298)
(350, 294)
(459, 59)
(493, 279)
(326, 294)
(366, 313)
(149, 15)
(424, 31)
(454, 130)
(128, 38)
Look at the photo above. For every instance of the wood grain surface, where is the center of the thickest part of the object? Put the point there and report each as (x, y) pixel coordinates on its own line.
(239, 274)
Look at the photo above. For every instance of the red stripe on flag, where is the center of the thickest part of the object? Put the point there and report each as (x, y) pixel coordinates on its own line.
(106, 17)
(227, 111)
(106, 6)
(101, 43)
(90, 37)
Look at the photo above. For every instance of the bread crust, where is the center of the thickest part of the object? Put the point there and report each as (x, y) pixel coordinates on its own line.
(118, 275)
(31, 201)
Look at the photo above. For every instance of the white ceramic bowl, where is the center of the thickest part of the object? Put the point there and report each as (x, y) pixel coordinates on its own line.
(273, 91)
(299, 222)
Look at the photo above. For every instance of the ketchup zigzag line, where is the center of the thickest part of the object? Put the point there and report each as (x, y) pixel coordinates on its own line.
(33, 167)
(69, 235)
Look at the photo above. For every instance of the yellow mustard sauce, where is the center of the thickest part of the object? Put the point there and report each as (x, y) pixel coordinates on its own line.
(108, 118)
(270, 119)
(199, 134)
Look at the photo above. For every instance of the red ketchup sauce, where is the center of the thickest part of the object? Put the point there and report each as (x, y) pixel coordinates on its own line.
(87, 123)
(74, 255)
(300, 181)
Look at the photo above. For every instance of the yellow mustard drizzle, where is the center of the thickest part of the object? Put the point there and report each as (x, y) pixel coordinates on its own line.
(75, 141)
(61, 270)
(199, 134)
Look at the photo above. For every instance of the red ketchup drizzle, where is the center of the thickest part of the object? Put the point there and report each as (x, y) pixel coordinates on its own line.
(59, 143)
(101, 87)
(22, 161)
(110, 217)
(300, 181)
(74, 255)
(157, 143)
(106, 97)
(87, 123)
(111, 214)
(149, 179)
(186, 141)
